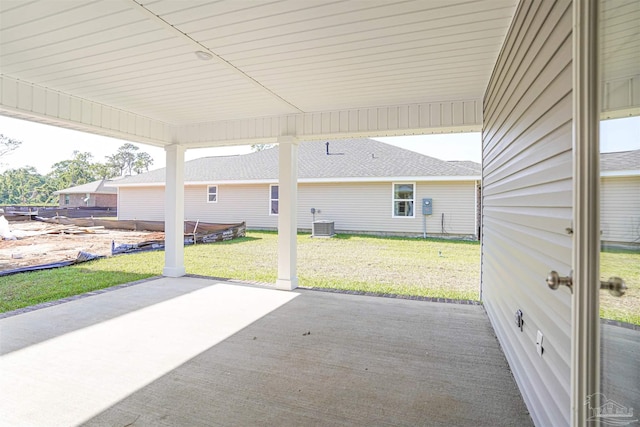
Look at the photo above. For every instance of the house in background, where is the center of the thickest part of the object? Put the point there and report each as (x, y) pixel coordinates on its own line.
(620, 198)
(94, 194)
(361, 185)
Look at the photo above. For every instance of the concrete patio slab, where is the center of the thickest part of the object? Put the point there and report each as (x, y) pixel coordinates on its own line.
(199, 352)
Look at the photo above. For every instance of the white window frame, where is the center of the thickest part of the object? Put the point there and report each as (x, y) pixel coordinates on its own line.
(394, 200)
(209, 193)
(271, 200)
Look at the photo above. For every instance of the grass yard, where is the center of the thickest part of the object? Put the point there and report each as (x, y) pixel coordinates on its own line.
(433, 268)
(625, 264)
(352, 262)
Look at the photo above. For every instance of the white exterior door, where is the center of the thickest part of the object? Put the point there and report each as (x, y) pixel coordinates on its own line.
(541, 209)
(617, 400)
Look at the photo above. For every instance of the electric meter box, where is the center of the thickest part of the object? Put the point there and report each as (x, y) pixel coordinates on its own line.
(427, 206)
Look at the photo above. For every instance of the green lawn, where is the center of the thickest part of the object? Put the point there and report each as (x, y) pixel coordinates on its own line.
(433, 268)
(625, 264)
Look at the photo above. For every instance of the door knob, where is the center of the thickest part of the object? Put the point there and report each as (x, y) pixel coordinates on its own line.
(554, 280)
(615, 286)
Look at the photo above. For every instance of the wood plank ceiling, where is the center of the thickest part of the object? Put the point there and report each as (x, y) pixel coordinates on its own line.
(330, 67)
(269, 57)
(620, 57)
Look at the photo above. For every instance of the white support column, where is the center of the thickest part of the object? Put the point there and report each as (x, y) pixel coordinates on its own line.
(287, 214)
(174, 212)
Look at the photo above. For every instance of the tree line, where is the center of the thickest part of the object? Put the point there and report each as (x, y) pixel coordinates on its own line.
(25, 185)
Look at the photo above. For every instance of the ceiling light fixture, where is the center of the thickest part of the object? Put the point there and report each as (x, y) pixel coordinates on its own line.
(205, 56)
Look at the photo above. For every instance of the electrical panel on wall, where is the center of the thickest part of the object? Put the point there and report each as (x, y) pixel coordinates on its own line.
(427, 206)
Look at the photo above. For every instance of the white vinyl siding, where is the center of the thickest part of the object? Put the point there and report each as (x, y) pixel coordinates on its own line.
(360, 207)
(620, 209)
(145, 203)
(212, 194)
(236, 203)
(365, 207)
(527, 199)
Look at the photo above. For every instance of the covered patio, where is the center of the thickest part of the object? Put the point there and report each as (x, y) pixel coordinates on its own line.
(535, 77)
(201, 352)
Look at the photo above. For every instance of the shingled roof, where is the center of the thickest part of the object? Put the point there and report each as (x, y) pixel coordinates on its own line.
(623, 160)
(95, 187)
(351, 158)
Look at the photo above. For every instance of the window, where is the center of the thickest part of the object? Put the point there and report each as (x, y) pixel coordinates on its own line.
(212, 194)
(66, 199)
(403, 200)
(273, 199)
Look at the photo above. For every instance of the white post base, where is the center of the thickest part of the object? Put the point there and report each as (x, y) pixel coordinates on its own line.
(174, 271)
(286, 284)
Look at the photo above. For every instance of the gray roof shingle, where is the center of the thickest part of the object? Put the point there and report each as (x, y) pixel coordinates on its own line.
(475, 168)
(95, 187)
(623, 160)
(350, 158)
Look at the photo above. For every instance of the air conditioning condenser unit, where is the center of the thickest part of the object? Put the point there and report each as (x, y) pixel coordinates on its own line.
(323, 228)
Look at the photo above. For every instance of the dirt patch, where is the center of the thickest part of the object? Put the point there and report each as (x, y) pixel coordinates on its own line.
(43, 243)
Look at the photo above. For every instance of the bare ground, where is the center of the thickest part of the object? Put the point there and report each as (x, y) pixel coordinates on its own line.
(43, 243)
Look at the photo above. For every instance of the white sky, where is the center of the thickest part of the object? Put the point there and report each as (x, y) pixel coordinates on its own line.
(44, 145)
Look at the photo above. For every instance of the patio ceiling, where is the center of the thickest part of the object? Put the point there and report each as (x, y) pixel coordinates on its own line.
(304, 67)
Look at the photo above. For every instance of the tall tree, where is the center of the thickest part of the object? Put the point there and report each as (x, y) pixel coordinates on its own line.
(116, 165)
(260, 147)
(142, 162)
(127, 153)
(77, 171)
(8, 145)
(22, 186)
(103, 171)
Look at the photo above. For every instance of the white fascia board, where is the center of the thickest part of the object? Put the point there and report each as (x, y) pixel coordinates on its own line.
(390, 179)
(620, 173)
(29, 101)
(138, 184)
(315, 180)
(390, 120)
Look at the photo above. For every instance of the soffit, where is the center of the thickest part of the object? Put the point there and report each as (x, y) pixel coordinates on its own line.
(270, 57)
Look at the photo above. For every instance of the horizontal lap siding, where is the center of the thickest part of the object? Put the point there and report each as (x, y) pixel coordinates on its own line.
(236, 203)
(620, 209)
(145, 203)
(365, 207)
(527, 197)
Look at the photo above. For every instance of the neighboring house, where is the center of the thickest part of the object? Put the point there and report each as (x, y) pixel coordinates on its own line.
(361, 184)
(620, 198)
(93, 194)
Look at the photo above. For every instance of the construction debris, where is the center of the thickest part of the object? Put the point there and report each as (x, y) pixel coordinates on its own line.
(200, 232)
(5, 232)
(82, 257)
(59, 240)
